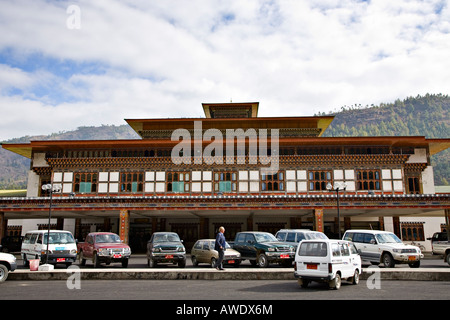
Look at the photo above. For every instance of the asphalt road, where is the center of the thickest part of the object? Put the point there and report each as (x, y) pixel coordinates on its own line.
(203, 290)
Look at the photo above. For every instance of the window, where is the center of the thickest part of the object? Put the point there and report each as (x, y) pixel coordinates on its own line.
(272, 182)
(314, 249)
(178, 181)
(413, 185)
(85, 182)
(225, 181)
(131, 182)
(318, 180)
(335, 250)
(344, 250)
(412, 231)
(368, 180)
(290, 237)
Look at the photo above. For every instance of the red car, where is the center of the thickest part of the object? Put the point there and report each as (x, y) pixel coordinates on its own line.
(103, 247)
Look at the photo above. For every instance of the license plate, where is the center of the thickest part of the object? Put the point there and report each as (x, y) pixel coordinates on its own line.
(230, 261)
(169, 256)
(284, 256)
(60, 259)
(117, 256)
(411, 258)
(311, 266)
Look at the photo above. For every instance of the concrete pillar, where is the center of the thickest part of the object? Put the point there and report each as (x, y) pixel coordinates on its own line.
(250, 222)
(124, 225)
(381, 221)
(318, 220)
(396, 223)
(296, 223)
(59, 223)
(107, 224)
(347, 223)
(204, 228)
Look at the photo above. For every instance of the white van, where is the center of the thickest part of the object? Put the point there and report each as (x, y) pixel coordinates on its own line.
(62, 247)
(324, 260)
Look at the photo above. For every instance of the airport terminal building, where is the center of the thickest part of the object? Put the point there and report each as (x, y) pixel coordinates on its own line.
(232, 169)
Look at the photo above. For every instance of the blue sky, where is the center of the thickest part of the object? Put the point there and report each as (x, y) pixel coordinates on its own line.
(111, 60)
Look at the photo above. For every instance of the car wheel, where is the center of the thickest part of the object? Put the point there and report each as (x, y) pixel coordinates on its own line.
(303, 283)
(213, 262)
(3, 273)
(124, 263)
(336, 282)
(355, 278)
(448, 258)
(415, 264)
(194, 261)
(96, 261)
(388, 261)
(182, 263)
(151, 263)
(82, 260)
(262, 261)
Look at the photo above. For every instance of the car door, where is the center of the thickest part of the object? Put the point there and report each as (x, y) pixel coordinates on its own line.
(347, 266)
(250, 248)
(371, 250)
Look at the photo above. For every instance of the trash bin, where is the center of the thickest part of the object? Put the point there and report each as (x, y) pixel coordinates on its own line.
(34, 264)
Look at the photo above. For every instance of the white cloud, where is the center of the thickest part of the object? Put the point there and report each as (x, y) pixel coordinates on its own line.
(145, 59)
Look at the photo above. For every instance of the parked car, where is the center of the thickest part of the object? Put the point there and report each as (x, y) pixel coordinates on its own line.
(165, 247)
(294, 236)
(442, 248)
(437, 237)
(11, 244)
(7, 264)
(262, 248)
(62, 247)
(103, 247)
(383, 247)
(203, 252)
(324, 260)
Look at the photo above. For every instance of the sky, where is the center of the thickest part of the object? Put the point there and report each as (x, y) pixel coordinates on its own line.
(65, 64)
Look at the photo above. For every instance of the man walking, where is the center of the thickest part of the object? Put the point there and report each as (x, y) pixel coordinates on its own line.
(219, 246)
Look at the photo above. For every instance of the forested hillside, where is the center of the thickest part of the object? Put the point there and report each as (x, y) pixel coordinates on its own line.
(419, 116)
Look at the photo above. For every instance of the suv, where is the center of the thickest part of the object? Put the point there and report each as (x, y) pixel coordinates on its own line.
(437, 237)
(262, 248)
(384, 247)
(165, 247)
(294, 236)
(327, 261)
(7, 264)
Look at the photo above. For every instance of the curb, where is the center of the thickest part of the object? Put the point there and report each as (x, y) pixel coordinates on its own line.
(431, 274)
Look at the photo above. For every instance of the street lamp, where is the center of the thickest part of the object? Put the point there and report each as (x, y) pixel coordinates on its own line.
(50, 188)
(336, 187)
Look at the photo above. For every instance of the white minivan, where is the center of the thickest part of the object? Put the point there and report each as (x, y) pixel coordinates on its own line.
(329, 261)
(62, 247)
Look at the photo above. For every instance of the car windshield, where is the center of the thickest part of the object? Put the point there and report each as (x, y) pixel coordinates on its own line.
(107, 238)
(59, 238)
(167, 237)
(387, 238)
(265, 237)
(315, 235)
